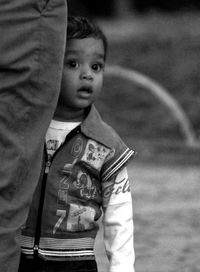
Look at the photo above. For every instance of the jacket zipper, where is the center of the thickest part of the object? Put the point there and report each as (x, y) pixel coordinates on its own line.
(43, 189)
(40, 208)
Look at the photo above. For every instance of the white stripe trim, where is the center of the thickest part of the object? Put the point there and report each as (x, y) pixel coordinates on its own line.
(27, 241)
(118, 166)
(108, 169)
(66, 253)
(52, 243)
(27, 251)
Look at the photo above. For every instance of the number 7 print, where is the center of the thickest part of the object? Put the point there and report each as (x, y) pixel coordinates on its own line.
(62, 215)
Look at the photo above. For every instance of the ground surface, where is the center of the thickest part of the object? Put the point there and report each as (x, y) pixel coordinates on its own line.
(167, 219)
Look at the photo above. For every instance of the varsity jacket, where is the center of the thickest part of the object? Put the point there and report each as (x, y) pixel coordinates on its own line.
(71, 194)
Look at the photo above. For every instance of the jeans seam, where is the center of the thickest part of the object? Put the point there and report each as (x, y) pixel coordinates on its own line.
(47, 7)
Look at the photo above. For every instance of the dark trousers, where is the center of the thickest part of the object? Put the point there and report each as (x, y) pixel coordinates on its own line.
(40, 265)
(32, 43)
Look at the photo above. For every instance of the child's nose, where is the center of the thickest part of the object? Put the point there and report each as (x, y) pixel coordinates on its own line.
(87, 74)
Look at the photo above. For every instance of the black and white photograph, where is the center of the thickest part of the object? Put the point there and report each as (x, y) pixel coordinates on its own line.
(99, 136)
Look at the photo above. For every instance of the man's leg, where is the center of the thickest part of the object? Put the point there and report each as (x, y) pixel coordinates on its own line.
(33, 35)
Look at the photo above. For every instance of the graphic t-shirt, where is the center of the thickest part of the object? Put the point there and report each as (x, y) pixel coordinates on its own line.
(55, 137)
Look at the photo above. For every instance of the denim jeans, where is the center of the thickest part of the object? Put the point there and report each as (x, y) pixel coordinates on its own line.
(40, 265)
(33, 37)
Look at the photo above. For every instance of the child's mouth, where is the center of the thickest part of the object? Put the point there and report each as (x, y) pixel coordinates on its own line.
(85, 92)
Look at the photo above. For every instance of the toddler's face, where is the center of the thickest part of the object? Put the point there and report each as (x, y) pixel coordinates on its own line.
(83, 72)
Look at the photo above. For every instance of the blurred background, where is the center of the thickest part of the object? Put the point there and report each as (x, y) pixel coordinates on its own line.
(160, 40)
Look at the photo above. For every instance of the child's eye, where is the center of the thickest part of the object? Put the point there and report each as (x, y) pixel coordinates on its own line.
(97, 67)
(72, 64)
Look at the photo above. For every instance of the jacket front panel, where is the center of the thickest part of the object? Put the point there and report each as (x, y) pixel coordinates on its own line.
(73, 193)
(72, 198)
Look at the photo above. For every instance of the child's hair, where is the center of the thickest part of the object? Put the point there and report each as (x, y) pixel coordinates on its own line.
(81, 28)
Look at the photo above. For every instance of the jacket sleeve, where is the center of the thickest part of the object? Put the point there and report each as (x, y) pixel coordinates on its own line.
(118, 223)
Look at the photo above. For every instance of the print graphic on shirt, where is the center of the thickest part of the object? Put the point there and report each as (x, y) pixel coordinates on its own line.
(51, 146)
(63, 196)
(81, 182)
(75, 184)
(76, 179)
(95, 154)
(65, 181)
(85, 185)
(67, 171)
(79, 218)
(118, 189)
(77, 147)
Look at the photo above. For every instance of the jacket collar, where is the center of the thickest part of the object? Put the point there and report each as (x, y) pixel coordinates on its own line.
(94, 127)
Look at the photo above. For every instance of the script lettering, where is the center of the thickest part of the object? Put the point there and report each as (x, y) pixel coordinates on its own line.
(119, 187)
